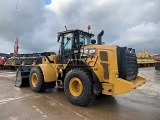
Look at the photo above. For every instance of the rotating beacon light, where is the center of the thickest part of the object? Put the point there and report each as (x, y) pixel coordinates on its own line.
(89, 27)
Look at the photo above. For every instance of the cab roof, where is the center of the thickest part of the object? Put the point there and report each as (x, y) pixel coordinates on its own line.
(75, 30)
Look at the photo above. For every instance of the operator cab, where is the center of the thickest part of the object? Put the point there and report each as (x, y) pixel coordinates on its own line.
(71, 42)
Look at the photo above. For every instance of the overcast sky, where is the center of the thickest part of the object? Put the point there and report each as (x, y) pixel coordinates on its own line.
(132, 23)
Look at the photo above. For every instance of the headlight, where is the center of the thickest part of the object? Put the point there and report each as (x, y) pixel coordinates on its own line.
(85, 51)
(88, 52)
(92, 51)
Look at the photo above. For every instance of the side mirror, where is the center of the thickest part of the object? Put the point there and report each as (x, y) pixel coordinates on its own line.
(58, 38)
(93, 41)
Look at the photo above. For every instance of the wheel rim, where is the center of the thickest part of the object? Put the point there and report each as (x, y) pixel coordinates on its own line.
(34, 79)
(75, 86)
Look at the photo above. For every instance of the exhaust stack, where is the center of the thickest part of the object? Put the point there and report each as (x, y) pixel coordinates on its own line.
(99, 37)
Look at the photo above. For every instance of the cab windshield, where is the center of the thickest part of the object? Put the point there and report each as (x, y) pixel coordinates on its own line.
(84, 39)
(72, 42)
(68, 38)
(77, 40)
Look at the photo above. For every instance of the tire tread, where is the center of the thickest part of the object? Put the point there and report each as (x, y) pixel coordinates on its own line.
(40, 87)
(91, 96)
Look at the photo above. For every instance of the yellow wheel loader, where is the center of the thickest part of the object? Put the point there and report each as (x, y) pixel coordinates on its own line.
(85, 68)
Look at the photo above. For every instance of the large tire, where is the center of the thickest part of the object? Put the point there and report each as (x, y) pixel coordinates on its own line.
(21, 81)
(157, 66)
(36, 80)
(78, 87)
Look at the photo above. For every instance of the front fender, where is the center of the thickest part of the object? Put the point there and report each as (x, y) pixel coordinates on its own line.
(49, 72)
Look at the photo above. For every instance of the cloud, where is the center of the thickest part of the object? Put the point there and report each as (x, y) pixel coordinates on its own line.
(143, 36)
(19, 22)
(133, 23)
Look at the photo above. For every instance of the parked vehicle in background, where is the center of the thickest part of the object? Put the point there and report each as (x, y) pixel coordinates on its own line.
(157, 61)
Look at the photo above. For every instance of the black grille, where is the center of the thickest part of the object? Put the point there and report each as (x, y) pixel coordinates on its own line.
(127, 63)
(103, 56)
(105, 68)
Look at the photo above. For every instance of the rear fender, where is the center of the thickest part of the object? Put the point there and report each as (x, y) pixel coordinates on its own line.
(97, 88)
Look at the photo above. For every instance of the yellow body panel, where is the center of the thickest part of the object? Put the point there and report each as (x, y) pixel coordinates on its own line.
(120, 86)
(113, 84)
(51, 71)
(97, 67)
(107, 88)
(51, 57)
(123, 86)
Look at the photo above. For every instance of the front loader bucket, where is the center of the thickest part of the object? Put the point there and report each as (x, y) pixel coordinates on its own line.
(22, 76)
